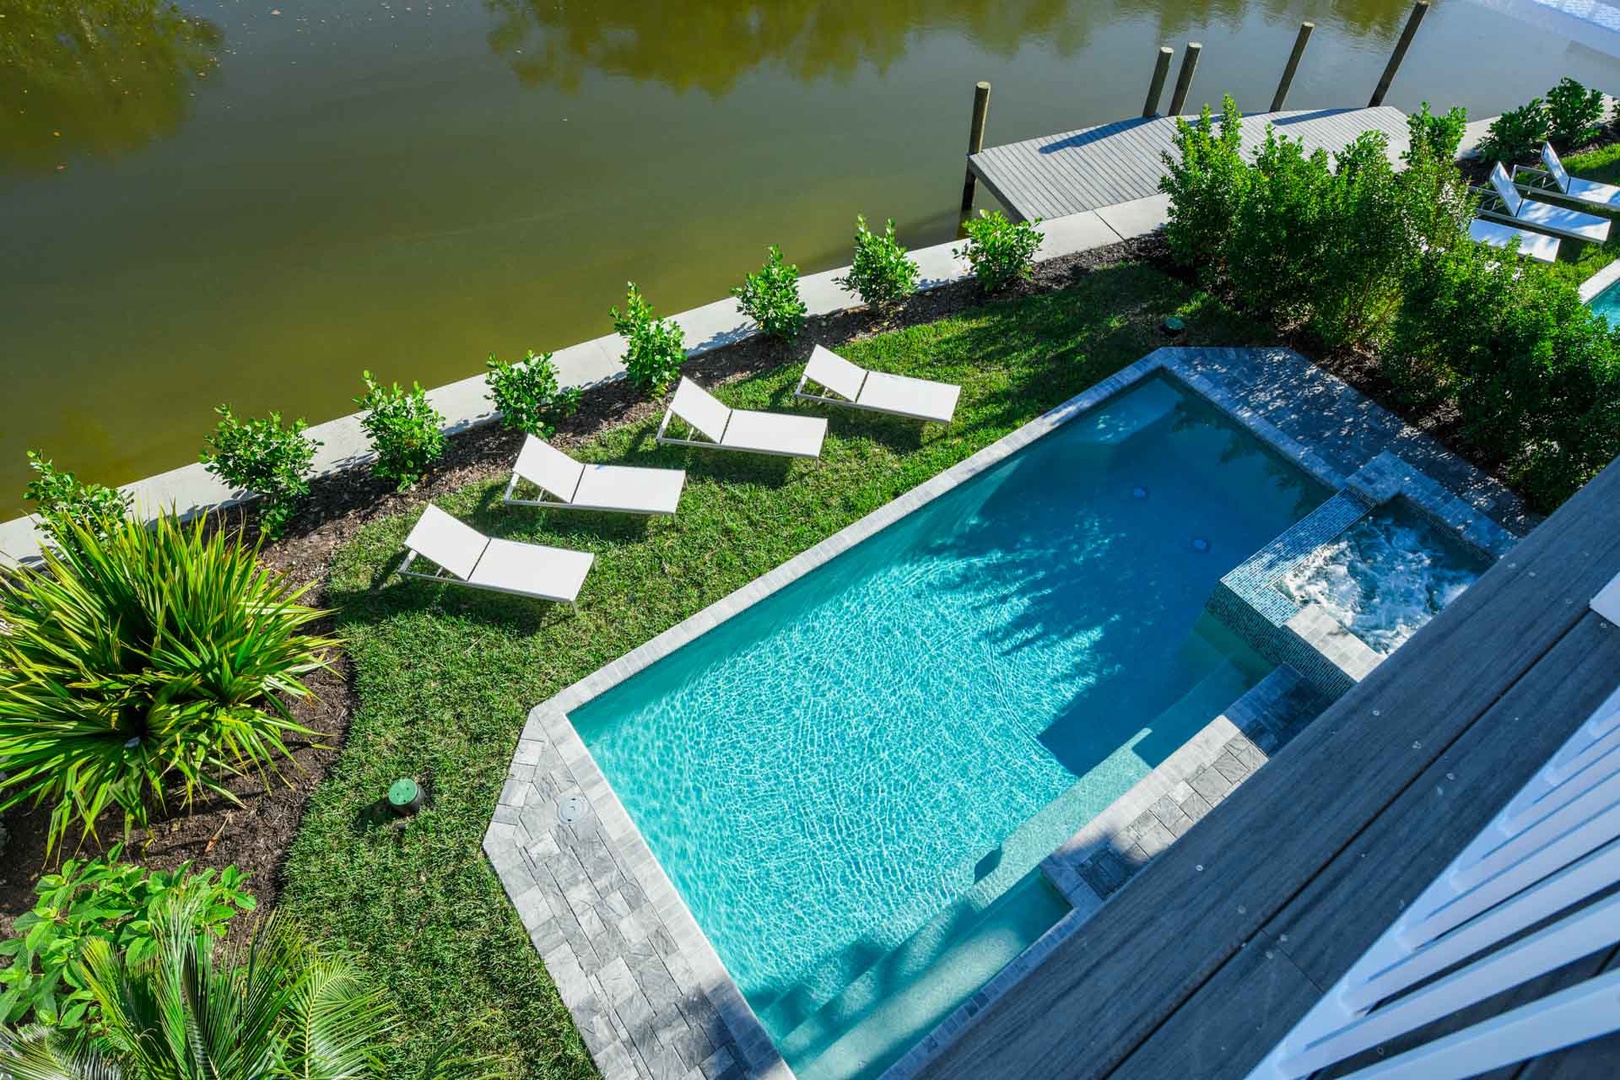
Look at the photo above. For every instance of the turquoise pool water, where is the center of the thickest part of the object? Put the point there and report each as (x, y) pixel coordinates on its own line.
(1607, 304)
(851, 782)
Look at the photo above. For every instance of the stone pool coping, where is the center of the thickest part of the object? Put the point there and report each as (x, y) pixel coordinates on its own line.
(649, 993)
(1599, 281)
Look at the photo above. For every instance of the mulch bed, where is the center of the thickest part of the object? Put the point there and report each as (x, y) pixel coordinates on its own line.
(256, 835)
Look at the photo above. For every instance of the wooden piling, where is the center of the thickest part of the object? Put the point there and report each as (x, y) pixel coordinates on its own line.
(1161, 69)
(981, 112)
(1287, 80)
(1419, 9)
(1189, 61)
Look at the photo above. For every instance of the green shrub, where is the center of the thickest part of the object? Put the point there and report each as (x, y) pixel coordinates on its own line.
(406, 432)
(152, 661)
(1516, 135)
(103, 899)
(771, 297)
(654, 349)
(1000, 251)
(1279, 233)
(263, 456)
(1574, 113)
(1205, 179)
(527, 394)
(1435, 136)
(881, 274)
(60, 498)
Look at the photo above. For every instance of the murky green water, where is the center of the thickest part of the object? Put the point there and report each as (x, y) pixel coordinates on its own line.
(252, 201)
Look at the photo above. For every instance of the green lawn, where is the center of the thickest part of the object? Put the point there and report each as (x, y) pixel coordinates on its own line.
(445, 677)
(1602, 165)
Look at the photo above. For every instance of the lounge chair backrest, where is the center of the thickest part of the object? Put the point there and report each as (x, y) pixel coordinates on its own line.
(1504, 187)
(544, 465)
(700, 408)
(827, 368)
(447, 542)
(1555, 167)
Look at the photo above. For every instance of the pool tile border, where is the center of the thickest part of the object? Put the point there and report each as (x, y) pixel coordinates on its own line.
(642, 981)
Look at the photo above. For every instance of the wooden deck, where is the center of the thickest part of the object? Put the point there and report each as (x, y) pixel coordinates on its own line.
(1094, 167)
(1204, 961)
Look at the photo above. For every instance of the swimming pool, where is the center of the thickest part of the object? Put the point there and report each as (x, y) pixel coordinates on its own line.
(852, 782)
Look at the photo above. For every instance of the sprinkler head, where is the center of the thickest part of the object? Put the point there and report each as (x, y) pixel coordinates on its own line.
(1173, 325)
(404, 797)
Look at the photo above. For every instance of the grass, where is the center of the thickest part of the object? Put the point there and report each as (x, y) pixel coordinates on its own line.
(1603, 166)
(444, 677)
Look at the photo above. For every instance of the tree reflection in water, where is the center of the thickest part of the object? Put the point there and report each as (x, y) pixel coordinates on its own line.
(95, 76)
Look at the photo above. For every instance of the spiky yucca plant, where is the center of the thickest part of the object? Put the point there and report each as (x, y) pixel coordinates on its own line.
(144, 660)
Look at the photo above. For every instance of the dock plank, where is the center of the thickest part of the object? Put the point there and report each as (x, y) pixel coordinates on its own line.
(1190, 912)
(1074, 171)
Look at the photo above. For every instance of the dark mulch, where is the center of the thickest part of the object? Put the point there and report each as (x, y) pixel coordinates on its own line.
(255, 835)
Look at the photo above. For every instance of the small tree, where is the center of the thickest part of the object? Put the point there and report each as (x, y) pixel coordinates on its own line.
(1573, 113)
(771, 298)
(405, 430)
(881, 274)
(528, 396)
(61, 499)
(654, 348)
(1435, 136)
(1206, 180)
(1517, 134)
(263, 456)
(1000, 251)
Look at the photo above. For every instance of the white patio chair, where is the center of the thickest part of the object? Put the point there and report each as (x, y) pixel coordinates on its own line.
(1538, 246)
(725, 428)
(573, 485)
(1506, 203)
(858, 388)
(1553, 179)
(466, 556)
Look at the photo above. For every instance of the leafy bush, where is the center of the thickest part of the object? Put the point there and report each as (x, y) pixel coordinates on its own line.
(149, 659)
(103, 899)
(263, 456)
(1205, 179)
(405, 430)
(1000, 251)
(527, 394)
(771, 297)
(881, 273)
(271, 1006)
(59, 498)
(1435, 136)
(1516, 135)
(654, 348)
(1573, 113)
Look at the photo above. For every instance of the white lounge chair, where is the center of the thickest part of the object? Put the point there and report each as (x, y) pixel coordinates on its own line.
(856, 387)
(576, 486)
(725, 428)
(468, 557)
(1511, 206)
(1555, 180)
(1538, 246)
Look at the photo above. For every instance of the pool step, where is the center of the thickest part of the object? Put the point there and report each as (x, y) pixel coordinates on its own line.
(902, 997)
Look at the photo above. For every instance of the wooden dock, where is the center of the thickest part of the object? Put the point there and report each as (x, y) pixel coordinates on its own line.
(1094, 167)
(1209, 955)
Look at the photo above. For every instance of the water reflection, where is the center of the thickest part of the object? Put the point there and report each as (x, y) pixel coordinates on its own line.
(710, 46)
(97, 76)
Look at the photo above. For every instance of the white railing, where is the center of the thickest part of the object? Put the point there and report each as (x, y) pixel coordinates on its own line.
(1551, 849)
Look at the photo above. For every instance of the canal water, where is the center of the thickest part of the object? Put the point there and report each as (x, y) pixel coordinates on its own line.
(250, 201)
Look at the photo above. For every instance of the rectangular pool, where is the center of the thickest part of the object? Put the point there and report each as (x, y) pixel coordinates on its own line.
(852, 782)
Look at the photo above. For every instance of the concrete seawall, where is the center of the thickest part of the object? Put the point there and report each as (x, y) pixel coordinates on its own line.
(191, 489)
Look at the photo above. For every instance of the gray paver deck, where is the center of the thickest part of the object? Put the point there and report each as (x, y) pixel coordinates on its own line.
(1075, 171)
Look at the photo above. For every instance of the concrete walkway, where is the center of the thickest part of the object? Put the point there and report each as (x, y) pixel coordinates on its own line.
(191, 489)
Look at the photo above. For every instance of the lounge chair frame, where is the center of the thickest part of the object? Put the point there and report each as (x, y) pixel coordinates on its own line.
(829, 396)
(442, 576)
(547, 501)
(663, 437)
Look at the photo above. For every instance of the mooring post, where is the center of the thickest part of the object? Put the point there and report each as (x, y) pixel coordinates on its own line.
(981, 110)
(1161, 68)
(1419, 9)
(1305, 29)
(1189, 61)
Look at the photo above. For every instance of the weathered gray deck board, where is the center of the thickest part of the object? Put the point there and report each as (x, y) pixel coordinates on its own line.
(1075, 171)
(1204, 916)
